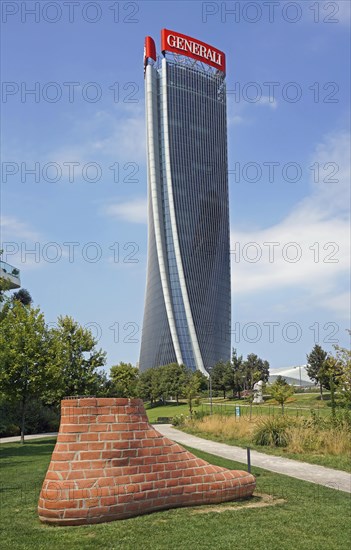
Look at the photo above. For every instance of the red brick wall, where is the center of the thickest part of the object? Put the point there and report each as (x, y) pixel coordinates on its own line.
(110, 463)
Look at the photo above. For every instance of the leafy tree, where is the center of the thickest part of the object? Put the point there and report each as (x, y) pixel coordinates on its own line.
(124, 378)
(76, 358)
(343, 357)
(316, 368)
(254, 369)
(222, 377)
(192, 388)
(203, 381)
(25, 371)
(148, 386)
(335, 368)
(281, 391)
(23, 296)
(237, 365)
(173, 380)
(5, 286)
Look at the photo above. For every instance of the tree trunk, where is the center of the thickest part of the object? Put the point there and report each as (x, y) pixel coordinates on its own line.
(191, 406)
(332, 397)
(321, 390)
(224, 393)
(23, 418)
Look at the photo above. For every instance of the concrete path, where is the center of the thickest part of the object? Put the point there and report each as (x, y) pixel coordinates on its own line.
(334, 479)
(17, 438)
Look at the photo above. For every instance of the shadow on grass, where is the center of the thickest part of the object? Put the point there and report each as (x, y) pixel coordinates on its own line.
(35, 448)
(149, 406)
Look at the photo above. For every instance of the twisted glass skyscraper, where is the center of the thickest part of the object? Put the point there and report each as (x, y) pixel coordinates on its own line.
(187, 306)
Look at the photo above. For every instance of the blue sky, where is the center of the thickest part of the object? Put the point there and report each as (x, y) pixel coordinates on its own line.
(289, 165)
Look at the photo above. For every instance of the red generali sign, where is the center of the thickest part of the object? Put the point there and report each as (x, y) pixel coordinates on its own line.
(191, 47)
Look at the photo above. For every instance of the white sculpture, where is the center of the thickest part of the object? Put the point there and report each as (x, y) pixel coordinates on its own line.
(258, 396)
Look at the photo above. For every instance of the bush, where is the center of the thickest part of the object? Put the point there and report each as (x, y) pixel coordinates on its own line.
(198, 415)
(9, 430)
(12, 429)
(40, 418)
(178, 420)
(271, 432)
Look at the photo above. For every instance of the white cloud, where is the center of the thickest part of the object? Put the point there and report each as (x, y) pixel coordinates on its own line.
(19, 241)
(134, 211)
(240, 113)
(108, 137)
(13, 228)
(235, 120)
(339, 303)
(126, 136)
(320, 218)
(267, 101)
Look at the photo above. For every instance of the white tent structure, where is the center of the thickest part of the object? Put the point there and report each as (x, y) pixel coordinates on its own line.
(296, 376)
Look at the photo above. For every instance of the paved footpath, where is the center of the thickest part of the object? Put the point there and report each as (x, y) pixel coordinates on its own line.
(334, 479)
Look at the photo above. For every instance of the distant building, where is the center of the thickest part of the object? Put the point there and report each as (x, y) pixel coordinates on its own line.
(295, 376)
(10, 274)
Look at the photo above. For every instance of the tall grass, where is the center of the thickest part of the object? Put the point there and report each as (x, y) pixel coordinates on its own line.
(227, 427)
(333, 441)
(296, 435)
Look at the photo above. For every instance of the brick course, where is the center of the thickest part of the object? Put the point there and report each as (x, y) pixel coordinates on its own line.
(109, 464)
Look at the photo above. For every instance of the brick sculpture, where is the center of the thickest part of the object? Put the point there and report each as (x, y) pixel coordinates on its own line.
(109, 463)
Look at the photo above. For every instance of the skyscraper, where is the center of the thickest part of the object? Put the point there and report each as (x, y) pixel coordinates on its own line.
(187, 306)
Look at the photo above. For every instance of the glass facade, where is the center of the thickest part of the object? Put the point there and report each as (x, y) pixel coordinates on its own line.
(188, 306)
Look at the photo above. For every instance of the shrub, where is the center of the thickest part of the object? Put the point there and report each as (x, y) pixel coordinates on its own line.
(178, 420)
(9, 430)
(272, 432)
(198, 415)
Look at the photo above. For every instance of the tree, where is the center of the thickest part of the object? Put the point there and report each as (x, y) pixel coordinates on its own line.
(316, 368)
(25, 371)
(76, 358)
(173, 380)
(238, 372)
(254, 369)
(5, 286)
(337, 371)
(23, 296)
(343, 357)
(281, 391)
(192, 388)
(222, 377)
(124, 378)
(149, 384)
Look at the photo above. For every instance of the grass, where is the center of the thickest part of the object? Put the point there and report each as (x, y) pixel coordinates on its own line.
(297, 405)
(169, 411)
(228, 409)
(325, 449)
(330, 448)
(312, 517)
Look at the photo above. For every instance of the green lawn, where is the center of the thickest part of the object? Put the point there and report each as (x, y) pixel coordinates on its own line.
(167, 411)
(312, 517)
(299, 405)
